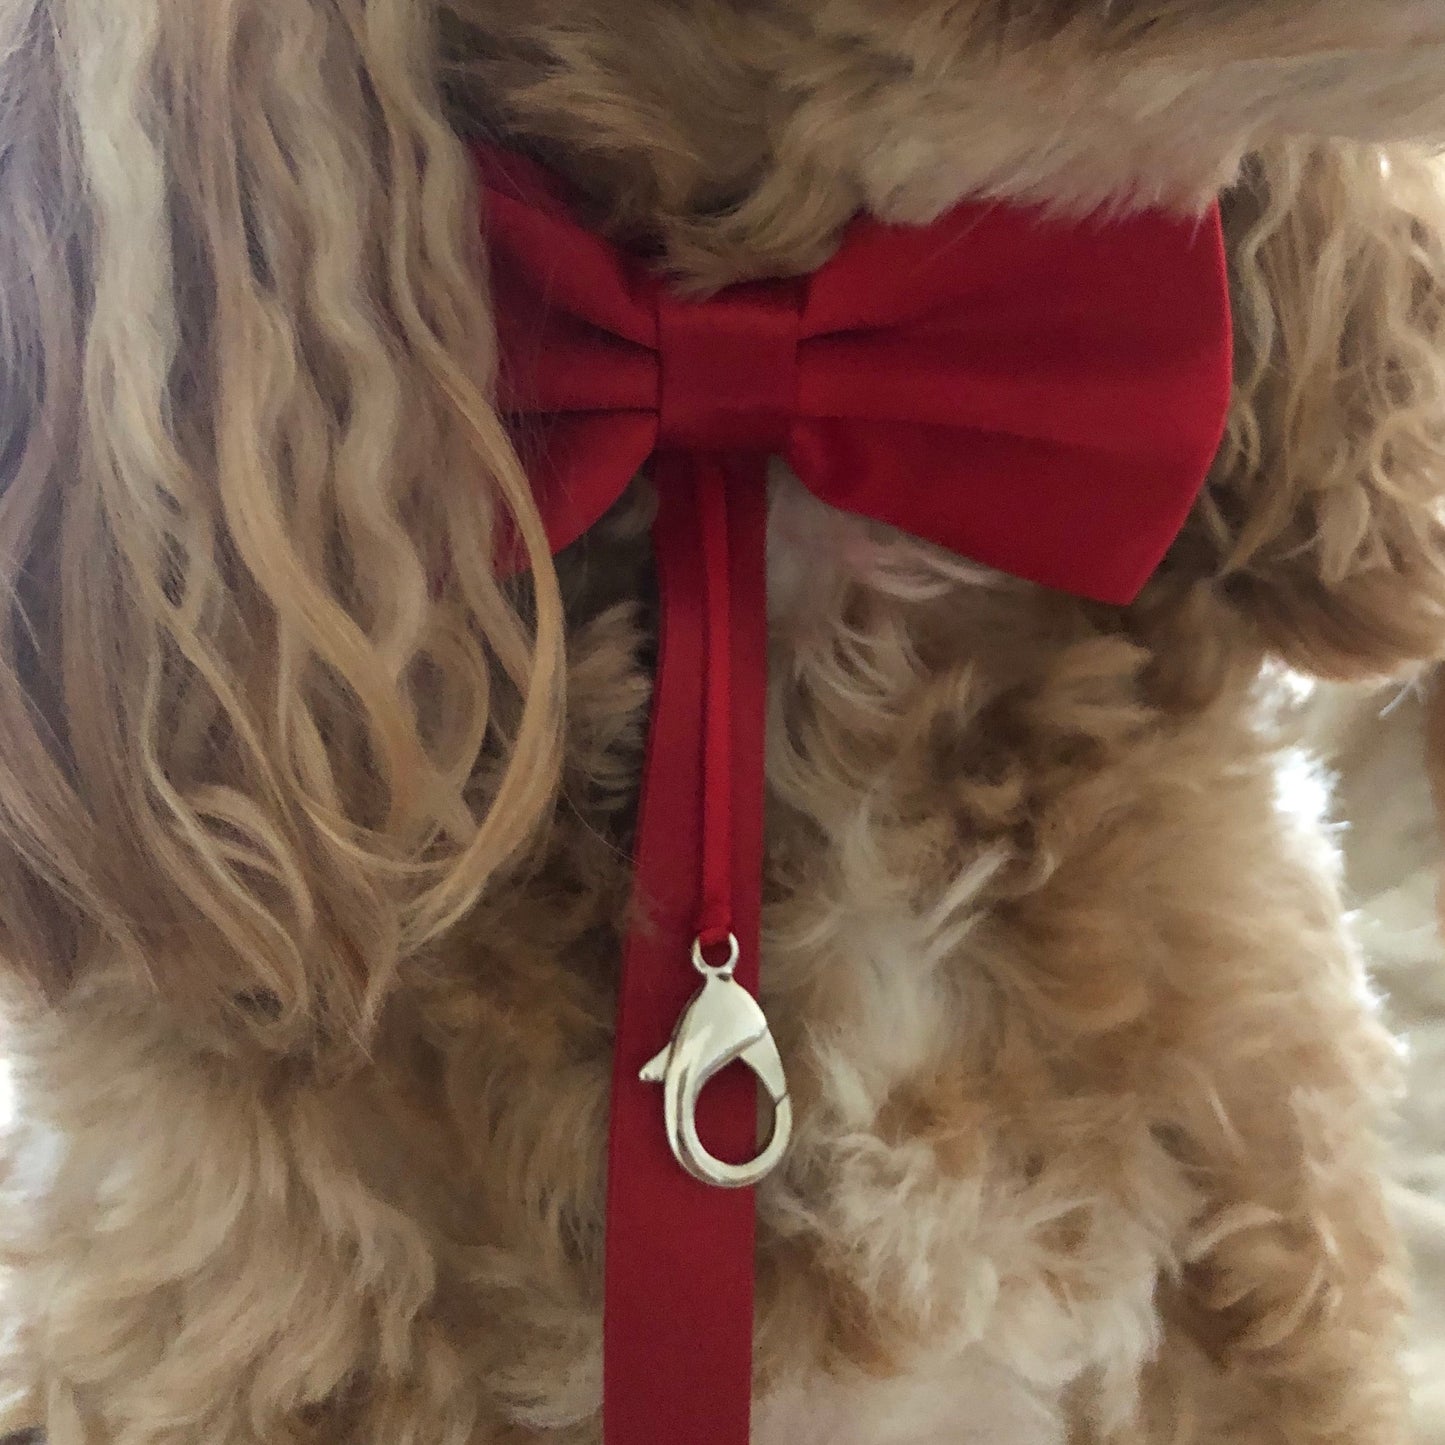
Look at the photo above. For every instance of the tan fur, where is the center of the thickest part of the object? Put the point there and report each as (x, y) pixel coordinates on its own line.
(312, 925)
(1434, 750)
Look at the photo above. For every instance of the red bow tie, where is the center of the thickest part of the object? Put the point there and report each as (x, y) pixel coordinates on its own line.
(1039, 396)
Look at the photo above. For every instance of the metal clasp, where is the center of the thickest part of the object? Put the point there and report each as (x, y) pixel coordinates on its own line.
(722, 1025)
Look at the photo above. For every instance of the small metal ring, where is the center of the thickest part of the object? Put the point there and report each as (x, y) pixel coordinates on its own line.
(721, 970)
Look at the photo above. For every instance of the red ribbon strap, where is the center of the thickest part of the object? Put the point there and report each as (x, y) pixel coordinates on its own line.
(1040, 396)
(677, 1345)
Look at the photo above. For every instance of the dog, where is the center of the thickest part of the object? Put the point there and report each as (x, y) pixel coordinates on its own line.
(315, 826)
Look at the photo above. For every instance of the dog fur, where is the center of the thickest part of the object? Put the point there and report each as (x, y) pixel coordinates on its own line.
(313, 834)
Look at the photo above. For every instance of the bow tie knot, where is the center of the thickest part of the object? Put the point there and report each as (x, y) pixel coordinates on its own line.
(728, 369)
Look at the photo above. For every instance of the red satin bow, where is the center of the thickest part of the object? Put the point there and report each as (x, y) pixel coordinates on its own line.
(1040, 396)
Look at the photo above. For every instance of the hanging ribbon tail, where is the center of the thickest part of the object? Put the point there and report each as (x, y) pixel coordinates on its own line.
(678, 1322)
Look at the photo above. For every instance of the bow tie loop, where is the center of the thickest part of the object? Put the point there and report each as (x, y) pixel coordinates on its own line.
(728, 369)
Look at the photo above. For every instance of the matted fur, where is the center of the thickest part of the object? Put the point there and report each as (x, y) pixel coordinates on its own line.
(313, 889)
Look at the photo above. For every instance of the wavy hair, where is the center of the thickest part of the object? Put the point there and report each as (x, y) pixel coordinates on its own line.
(269, 722)
(1323, 523)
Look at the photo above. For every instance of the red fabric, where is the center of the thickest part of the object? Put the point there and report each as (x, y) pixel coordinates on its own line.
(678, 1316)
(1040, 396)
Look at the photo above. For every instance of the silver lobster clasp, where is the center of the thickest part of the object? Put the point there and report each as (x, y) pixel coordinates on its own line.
(722, 1025)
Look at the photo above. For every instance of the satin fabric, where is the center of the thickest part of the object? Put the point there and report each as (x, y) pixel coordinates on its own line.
(1041, 396)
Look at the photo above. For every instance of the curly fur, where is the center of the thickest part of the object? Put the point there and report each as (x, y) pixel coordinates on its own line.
(241, 718)
(314, 887)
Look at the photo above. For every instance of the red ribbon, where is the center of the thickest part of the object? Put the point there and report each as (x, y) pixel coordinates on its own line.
(1040, 396)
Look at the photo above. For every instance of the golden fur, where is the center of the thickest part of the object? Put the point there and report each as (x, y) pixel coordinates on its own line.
(313, 885)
